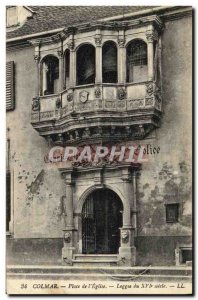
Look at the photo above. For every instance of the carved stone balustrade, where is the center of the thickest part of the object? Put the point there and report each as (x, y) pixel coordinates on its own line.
(105, 111)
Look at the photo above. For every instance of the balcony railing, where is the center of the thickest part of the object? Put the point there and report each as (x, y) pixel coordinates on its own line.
(97, 99)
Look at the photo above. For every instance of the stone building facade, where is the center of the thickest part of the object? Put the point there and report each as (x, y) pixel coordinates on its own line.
(120, 78)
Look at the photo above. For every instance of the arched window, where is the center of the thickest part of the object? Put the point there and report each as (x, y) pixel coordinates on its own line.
(67, 67)
(86, 64)
(137, 61)
(109, 62)
(50, 75)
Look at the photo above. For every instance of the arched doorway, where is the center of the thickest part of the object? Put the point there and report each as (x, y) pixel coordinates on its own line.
(101, 220)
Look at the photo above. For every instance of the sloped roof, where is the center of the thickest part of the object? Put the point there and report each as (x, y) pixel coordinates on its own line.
(48, 18)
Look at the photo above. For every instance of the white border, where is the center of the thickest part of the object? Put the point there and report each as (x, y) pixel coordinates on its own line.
(2, 107)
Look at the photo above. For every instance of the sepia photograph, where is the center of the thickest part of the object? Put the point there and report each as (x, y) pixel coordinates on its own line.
(99, 150)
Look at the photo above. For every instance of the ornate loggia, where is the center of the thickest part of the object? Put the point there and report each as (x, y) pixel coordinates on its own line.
(100, 111)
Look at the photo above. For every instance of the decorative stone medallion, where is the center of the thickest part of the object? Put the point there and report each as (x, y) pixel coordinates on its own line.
(125, 237)
(35, 104)
(70, 97)
(67, 237)
(121, 93)
(83, 96)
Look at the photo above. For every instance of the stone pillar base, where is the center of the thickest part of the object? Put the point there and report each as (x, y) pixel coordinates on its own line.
(67, 255)
(127, 256)
(68, 250)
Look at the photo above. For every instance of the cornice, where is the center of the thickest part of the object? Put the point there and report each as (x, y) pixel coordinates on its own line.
(162, 14)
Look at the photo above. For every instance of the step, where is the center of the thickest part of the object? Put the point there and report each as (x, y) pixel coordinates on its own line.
(101, 276)
(75, 269)
(95, 262)
(92, 257)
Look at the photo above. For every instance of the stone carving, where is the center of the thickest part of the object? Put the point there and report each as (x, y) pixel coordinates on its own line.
(70, 97)
(77, 134)
(121, 93)
(67, 261)
(98, 40)
(83, 96)
(97, 92)
(58, 103)
(149, 89)
(149, 101)
(47, 115)
(35, 104)
(121, 41)
(151, 36)
(37, 57)
(67, 237)
(110, 104)
(60, 53)
(136, 103)
(125, 237)
(121, 104)
(70, 45)
(86, 133)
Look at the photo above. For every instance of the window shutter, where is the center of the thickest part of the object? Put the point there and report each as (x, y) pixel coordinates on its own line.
(10, 99)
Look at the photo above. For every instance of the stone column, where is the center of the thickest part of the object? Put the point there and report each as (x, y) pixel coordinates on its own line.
(98, 58)
(45, 70)
(127, 251)
(72, 67)
(150, 55)
(38, 84)
(68, 231)
(134, 203)
(61, 70)
(121, 60)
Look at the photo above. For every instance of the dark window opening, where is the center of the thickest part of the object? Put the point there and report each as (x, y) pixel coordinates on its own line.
(86, 65)
(109, 63)
(8, 200)
(137, 61)
(186, 255)
(172, 213)
(50, 75)
(67, 67)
